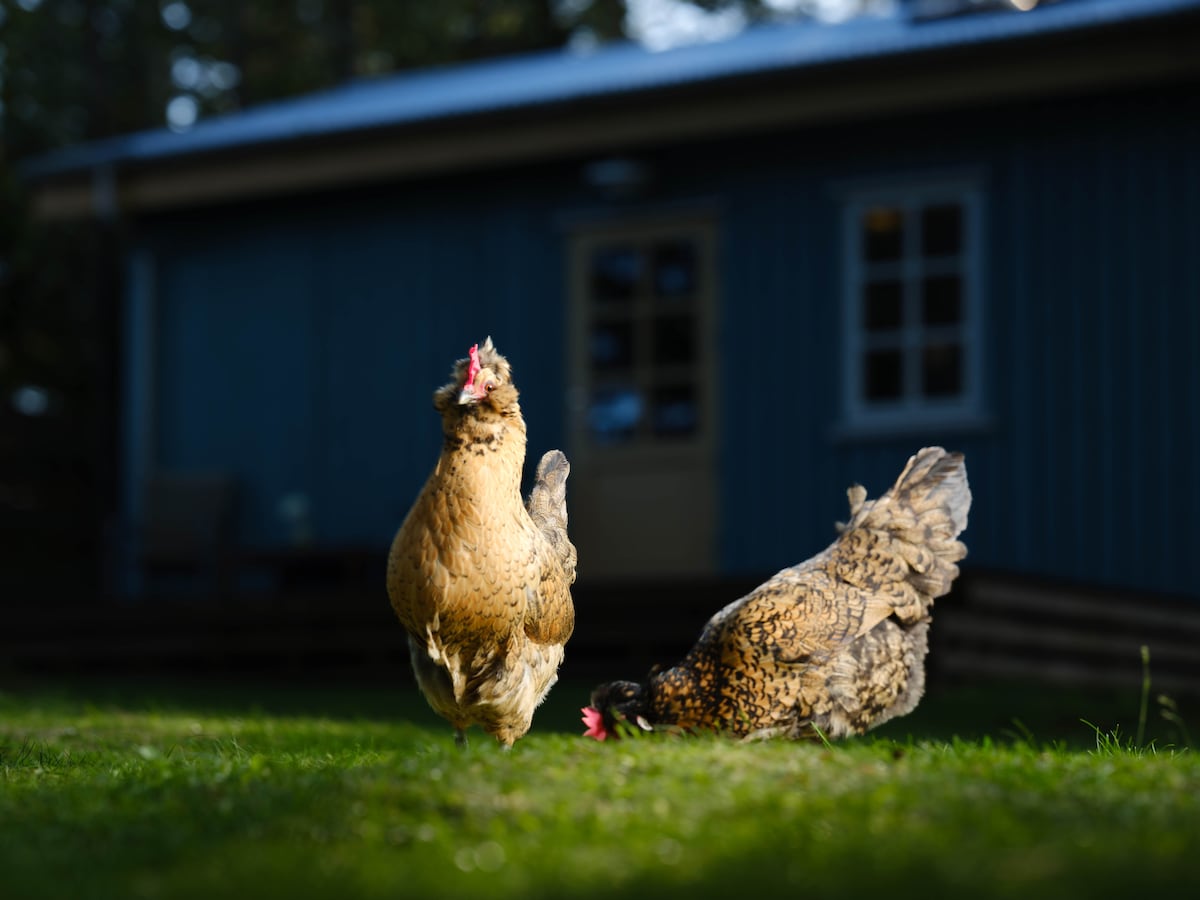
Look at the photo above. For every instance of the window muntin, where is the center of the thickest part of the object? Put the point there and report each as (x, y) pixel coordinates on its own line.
(643, 309)
(912, 304)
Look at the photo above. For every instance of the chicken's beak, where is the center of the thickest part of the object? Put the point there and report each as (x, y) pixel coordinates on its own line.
(465, 396)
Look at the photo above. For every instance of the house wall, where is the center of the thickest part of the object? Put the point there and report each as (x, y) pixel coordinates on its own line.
(298, 341)
(299, 344)
(1092, 320)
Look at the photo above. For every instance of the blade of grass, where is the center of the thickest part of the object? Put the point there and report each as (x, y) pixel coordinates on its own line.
(1142, 709)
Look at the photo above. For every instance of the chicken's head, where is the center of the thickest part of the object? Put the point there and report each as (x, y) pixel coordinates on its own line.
(483, 379)
(618, 701)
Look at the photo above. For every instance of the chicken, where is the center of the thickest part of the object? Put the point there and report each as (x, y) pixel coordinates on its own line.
(480, 581)
(837, 642)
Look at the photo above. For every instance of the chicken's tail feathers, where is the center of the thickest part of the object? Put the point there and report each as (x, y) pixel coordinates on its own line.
(549, 493)
(917, 521)
(935, 480)
(547, 506)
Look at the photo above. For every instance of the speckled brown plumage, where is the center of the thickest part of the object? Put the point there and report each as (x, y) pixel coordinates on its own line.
(480, 580)
(838, 641)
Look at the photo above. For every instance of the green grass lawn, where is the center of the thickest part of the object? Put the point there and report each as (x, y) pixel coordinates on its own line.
(192, 790)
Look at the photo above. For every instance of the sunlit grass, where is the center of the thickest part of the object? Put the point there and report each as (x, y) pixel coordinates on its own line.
(181, 792)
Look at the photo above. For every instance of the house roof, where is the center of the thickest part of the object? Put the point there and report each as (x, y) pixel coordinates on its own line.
(623, 72)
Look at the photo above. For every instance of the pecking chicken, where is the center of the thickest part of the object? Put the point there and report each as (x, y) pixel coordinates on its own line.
(480, 580)
(837, 642)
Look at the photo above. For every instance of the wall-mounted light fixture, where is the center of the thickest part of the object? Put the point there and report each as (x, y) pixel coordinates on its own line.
(619, 177)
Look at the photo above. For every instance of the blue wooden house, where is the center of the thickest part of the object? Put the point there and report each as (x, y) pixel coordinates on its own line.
(732, 278)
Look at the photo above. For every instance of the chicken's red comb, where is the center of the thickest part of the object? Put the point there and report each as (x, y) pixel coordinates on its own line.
(594, 720)
(473, 367)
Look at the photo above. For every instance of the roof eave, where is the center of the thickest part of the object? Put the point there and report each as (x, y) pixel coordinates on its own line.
(846, 91)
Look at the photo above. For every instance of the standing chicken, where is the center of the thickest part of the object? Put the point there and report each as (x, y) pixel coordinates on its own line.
(482, 582)
(837, 642)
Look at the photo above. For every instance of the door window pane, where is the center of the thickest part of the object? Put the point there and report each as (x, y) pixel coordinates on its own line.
(615, 273)
(614, 413)
(674, 344)
(674, 269)
(676, 412)
(611, 346)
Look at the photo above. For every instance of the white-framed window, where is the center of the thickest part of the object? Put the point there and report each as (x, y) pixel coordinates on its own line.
(912, 347)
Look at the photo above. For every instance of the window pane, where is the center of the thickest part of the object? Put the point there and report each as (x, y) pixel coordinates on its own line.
(611, 346)
(674, 343)
(674, 268)
(883, 307)
(941, 230)
(941, 300)
(941, 370)
(883, 234)
(884, 375)
(613, 414)
(676, 411)
(615, 273)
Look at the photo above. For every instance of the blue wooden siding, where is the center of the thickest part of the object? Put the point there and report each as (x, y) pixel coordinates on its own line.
(299, 342)
(298, 347)
(1092, 306)
(236, 332)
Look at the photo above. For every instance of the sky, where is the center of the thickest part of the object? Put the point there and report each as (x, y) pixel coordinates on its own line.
(662, 24)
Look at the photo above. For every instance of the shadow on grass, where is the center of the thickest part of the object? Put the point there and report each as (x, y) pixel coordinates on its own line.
(1041, 714)
(998, 710)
